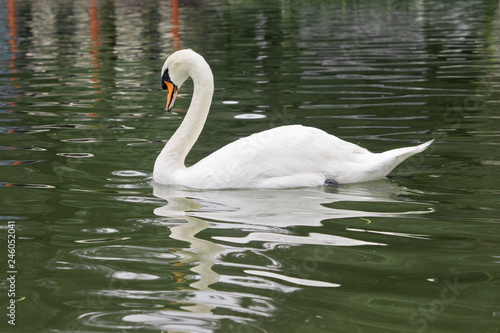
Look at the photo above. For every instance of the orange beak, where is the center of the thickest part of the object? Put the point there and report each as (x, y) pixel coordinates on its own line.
(171, 95)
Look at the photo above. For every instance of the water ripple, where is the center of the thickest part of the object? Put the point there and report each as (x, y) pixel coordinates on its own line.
(253, 282)
(19, 162)
(121, 275)
(9, 184)
(75, 155)
(293, 280)
(128, 253)
(107, 255)
(171, 321)
(313, 238)
(10, 148)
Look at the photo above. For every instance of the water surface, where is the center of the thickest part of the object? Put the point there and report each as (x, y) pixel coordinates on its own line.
(101, 248)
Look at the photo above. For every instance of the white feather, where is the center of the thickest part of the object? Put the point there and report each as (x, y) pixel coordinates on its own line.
(282, 157)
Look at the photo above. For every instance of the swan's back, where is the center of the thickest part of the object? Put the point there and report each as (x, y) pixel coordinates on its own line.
(289, 156)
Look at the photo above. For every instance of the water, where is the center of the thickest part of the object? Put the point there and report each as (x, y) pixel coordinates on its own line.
(100, 248)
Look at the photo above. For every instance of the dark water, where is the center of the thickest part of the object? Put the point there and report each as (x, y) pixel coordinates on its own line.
(99, 248)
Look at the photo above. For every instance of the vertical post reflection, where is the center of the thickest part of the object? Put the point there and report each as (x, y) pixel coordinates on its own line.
(175, 25)
(12, 26)
(13, 32)
(94, 37)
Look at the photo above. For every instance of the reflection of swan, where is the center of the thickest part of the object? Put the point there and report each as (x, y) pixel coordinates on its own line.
(264, 215)
(203, 259)
(265, 212)
(287, 156)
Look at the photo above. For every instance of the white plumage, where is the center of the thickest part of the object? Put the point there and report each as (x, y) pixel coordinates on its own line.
(282, 157)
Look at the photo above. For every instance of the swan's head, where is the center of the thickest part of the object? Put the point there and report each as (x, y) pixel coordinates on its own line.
(177, 68)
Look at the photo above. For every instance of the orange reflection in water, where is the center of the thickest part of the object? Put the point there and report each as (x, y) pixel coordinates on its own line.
(175, 25)
(11, 6)
(94, 37)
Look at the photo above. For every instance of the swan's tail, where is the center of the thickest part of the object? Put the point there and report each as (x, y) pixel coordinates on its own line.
(385, 162)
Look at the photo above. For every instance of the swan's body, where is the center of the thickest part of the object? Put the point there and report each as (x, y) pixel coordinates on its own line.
(282, 157)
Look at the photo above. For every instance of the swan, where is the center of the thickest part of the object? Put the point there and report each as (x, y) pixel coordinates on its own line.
(282, 157)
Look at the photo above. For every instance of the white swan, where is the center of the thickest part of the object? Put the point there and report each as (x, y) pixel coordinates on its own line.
(282, 157)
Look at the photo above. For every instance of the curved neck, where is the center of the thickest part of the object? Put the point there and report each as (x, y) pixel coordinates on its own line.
(175, 151)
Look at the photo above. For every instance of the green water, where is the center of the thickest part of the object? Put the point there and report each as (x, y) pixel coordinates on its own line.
(100, 248)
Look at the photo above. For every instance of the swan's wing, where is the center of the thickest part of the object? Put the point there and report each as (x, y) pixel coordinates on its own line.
(287, 152)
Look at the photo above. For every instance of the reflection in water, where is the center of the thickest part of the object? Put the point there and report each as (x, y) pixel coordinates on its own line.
(82, 118)
(204, 251)
(266, 216)
(13, 35)
(175, 25)
(277, 208)
(94, 36)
